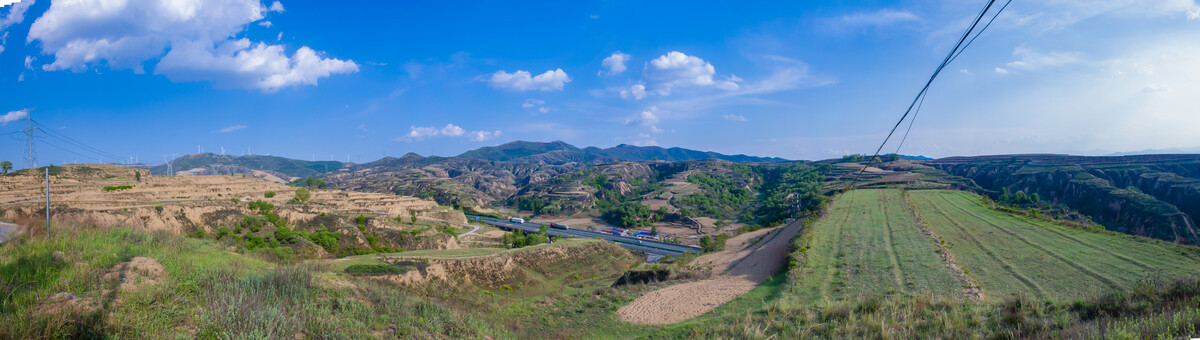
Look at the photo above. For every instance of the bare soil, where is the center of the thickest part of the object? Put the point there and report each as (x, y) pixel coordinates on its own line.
(743, 265)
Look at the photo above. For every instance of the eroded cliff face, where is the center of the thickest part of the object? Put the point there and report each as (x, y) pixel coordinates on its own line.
(1154, 197)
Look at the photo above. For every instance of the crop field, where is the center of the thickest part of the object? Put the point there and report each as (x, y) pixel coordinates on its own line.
(1015, 255)
(869, 245)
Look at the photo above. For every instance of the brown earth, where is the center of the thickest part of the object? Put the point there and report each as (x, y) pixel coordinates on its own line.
(182, 203)
(509, 268)
(743, 265)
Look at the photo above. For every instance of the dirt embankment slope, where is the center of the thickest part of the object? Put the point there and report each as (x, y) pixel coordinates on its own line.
(743, 265)
(111, 196)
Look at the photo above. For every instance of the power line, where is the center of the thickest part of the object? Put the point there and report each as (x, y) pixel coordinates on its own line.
(958, 47)
(960, 52)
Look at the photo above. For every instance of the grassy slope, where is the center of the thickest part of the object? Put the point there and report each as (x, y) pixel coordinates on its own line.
(1008, 254)
(209, 292)
(870, 246)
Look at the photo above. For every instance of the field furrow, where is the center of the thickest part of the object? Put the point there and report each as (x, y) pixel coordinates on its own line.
(983, 265)
(1062, 262)
(869, 244)
(1069, 262)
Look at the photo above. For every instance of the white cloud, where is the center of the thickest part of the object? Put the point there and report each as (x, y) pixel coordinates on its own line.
(733, 117)
(13, 116)
(615, 63)
(1002, 70)
(649, 116)
(883, 17)
(552, 80)
(452, 130)
(231, 128)
(531, 103)
(16, 14)
(676, 69)
(265, 23)
(644, 139)
(635, 92)
(1029, 60)
(195, 35)
(417, 133)
(276, 7)
(479, 136)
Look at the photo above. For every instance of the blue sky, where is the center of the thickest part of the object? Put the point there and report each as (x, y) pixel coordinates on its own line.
(800, 80)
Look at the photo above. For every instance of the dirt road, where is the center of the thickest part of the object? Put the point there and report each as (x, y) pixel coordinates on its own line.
(743, 265)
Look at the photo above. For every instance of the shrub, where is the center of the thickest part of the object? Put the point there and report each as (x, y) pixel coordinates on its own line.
(117, 188)
(373, 269)
(302, 195)
(326, 239)
(284, 233)
(222, 232)
(269, 194)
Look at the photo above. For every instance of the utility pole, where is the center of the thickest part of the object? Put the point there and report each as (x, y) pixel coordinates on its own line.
(47, 202)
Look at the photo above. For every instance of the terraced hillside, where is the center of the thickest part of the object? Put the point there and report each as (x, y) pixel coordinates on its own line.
(1008, 254)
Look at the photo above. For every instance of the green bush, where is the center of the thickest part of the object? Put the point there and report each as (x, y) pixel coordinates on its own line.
(222, 232)
(269, 194)
(117, 187)
(326, 239)
(373, 269)
(302, 195)
(284, 233)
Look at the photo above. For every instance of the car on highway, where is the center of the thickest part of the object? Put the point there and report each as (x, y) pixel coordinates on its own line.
(560, 226)
(516, 220)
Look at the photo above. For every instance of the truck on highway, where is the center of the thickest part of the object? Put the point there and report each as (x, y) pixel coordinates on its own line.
(517, 220)
(560, 226)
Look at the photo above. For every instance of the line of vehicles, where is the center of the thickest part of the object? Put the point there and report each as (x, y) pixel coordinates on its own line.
(640, 241)
(519, 220)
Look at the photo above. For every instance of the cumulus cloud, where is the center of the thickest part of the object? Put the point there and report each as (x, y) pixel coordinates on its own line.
(635, 92)
(676, 69)
(266, 23)
(16, 14)
(417, 133)
(276, 7)
(196, 37)
(615, 63)
(479, 136)
(733, 117)
(552, 80)
(13, 116)
(229, 129)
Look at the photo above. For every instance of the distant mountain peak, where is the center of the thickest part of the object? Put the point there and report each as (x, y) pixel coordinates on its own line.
(559, 152)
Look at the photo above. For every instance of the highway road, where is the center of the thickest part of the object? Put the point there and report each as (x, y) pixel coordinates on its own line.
(647, 246)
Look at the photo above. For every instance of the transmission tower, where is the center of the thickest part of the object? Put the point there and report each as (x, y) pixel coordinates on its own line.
(169, 158)
(31, 156)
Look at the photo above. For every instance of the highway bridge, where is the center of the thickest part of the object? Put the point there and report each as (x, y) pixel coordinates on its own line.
(647, 246)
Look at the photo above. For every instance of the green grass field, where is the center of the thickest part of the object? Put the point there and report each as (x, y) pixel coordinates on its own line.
(869, 245)
(1008, 254)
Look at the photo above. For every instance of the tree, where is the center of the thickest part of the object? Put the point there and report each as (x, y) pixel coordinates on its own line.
(313, 182)
(136, 175)
(6, 166)
(706, 242)
(302, 195)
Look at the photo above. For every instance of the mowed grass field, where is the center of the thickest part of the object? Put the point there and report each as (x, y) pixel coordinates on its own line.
(869, 245)
(1008, 254)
